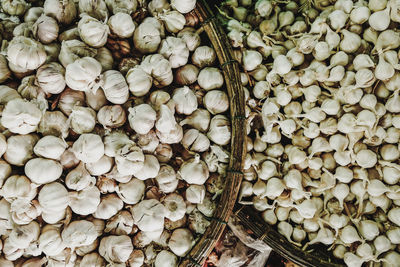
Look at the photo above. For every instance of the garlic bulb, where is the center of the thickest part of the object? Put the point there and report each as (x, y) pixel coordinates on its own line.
(111, 116)
(82, 119)
(127, 6)
(50, 241)
(79, 178)
(50, 147)
(139, 81)
(116, 249)
(122, 25)
(185, 100)
(18, 187)
(53, 197)
(175, 207)
(87, 201)
(92, 31)
(175, 50)
(105, 57)
(220, 130)
(147, 36)
(63, 11)
(216, 101)
(149, 169)
(173, 20)
(92, 259)
(88, 148)
(21, 116)
(210, 78)
(166, 179)
(166, 258)
(142, 118)
(14, 8)
(83, 74)
(131, 192)
(186, 75)
(194, 171)
(190, 37)
(79, 233)
(45, 29)
(50, 78)
(20, 149)
(204, 56)
(115, 87)
(34, 168)
(109, 205)
(159, 68)
(184, 6)
(181, 241)
(96, 9)
(195, 141)
(72, 50)
(26, 53)
(54, 123)
(149, 215)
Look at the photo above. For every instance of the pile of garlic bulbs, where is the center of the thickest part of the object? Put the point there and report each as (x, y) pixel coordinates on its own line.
(113, 132)
(323, 113)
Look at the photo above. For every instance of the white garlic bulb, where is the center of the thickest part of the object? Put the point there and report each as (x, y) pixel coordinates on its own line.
(34, 170)
(220, 130)
(50, 241)
(173, 20)
(129, 159)
(105, 57)
(50, 78)
(109, 205)
(132, 191)
(186, 75)
(115, 87)
(204, 56)
(150, 168)
(159, 68)
(94, 8)
(5, 72)
(45, 29)
(147, 36)
(111, 116)
(100, 167)
(142, 118)
(83, 74)
(54, 123)
(72, 50)
(216, 101)
(166, 179)
(92, 31)
(21, 116)
(82, 119)
(20, 149)
(95, 100)
(116, 249)
(86, 201)
(210, 78)
(190, 37)
(195, 193)
(149, 215)
(26, 53)
(63, 11)
(53, 197)
(185, 100)
(50, 147)
(181, 241)
(183, 6)
(122, 25)
(175, 50)
(79, 178)
(194, 171)
(139, 81)
(175, 207)
(18, 187)
(127, 6)
(88, 148)
(195, 141)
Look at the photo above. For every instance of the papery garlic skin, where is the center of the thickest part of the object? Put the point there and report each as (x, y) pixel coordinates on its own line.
(53, 197)
(21, 116)
(50, 147)
(175, 50)
(194, 171)
(50, 78)
(181, 241)
(64, 11)
(92, 31)
(83, 74)
(82, 119)
(88, 148)
(26, 53)
(115, 87)
(147, 37)
(122, 25)
(20, 149)
(210, 78)
(45, 29)
(142, 118)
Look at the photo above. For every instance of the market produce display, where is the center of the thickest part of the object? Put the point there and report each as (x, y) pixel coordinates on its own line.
(113, 132)
(323, 110)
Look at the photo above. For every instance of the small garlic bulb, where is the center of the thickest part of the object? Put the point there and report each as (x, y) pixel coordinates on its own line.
(115, 87)
(53, 197)
(20, 149)
(181, 241)
(216, 101)
(50, 147)
(210, 78)
(88, 148)
(83, 74)
(175, 50)
(86, 201)
(34, 170)
(195, 141)
(185, 100)
(127, 6)
(190, 37)
(139, 81)
(194, 171)
(72, 50)
(186, 75)
(220, 130)
(79, 233)
(121, 24)
(26, 53)
(54, 123)
(79, 178)
(132, 191)
(64, 11)
(204, 56)
(82, 119)
(149, 215)
(116, 248)
(159, 68)
(111, 116)
(94, 8)
(105, 57)
(147, 36)
(173, 21)
(45, 29)
(183, 6)
(92, 31)
(142, 118)
(21, 116)
(50, 78)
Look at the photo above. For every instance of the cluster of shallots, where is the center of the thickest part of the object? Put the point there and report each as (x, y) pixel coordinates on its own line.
(113, 132)
(323, 113)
